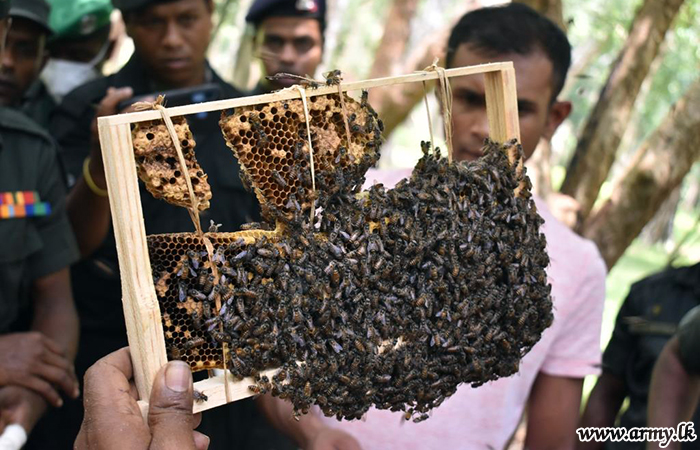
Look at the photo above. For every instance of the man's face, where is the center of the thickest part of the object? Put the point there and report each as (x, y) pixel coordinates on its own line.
(172, 39)
(291, 45)
(538, 119)
(22, 60)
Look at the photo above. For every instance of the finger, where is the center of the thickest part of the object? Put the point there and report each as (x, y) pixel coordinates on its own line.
(201, 441)
(65, 380)
(109, 407)
(108, 105)
(121, 361)
(170, 409)
(52, 345)
(42, 388)
(57, 361)
(196, 420)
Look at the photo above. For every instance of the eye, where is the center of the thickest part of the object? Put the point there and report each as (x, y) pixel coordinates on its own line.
(273, 43)
(187, 20)
(303, 44)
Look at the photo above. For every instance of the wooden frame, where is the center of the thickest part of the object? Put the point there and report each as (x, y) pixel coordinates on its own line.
(141, 308)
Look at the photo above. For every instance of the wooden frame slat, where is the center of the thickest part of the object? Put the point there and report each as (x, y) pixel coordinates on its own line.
(141, 308)
(289, 94)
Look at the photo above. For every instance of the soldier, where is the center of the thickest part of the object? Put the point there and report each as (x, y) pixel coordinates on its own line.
(647, 320)
(170, 39)
(37, 249)
(288, 39)
(77, 49)
(675, 384)
(25, 53)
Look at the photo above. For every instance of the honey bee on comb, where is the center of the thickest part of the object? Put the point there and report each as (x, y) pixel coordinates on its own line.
(388, 298)
(266, 140)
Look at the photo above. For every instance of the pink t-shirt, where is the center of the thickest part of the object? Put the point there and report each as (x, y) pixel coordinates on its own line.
(487, 416)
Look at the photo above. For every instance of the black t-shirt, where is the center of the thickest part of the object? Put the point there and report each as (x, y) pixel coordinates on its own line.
(648, 318)
(96, 280)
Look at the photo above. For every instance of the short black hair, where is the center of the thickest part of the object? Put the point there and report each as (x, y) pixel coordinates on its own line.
(513, 28)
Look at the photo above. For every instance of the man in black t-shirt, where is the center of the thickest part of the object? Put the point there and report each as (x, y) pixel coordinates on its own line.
(647, 320)
(675, 385)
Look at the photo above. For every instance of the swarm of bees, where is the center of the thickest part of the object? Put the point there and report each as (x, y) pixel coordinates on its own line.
(388, 298)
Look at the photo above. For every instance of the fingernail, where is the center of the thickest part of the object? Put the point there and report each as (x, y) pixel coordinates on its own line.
(60, 402)
(178, 376)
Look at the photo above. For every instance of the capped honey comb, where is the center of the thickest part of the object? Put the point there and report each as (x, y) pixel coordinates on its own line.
(271, 144)
(159, 167)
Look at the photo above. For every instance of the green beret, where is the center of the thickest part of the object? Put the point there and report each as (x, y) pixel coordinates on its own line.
(77, 18)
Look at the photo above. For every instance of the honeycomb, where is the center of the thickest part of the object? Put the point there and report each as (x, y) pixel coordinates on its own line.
(272, 148)
(177, 260)
(159, 167)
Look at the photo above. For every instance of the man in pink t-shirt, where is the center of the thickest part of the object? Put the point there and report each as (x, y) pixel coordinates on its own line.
(550, 379)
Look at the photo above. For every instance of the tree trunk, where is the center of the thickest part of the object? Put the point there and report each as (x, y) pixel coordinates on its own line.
(397, 31)
(552, 9)
(659, 167)
(660, 228)
(598, 143)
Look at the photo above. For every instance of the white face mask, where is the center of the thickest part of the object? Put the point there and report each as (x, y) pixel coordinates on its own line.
(62, 76)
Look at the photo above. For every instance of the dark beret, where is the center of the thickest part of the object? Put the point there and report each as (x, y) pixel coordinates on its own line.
(262, 9)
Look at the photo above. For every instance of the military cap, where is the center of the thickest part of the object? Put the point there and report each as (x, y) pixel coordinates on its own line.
(4, 8)
(262, 9)
(77, 18)
(35, 10)
(130, 5)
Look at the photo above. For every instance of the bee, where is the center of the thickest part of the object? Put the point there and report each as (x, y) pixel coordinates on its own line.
(257, 389)
(199, 397)
(193, 343)
(220, 337)
(333, 77)
(196, 295)
(363, 99)
(196, 320)
(279, 179)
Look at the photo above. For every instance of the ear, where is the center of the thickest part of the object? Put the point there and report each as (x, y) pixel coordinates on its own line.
(44, 60)
(558, 112)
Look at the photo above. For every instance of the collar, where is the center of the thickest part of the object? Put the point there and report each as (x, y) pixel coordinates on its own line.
(689, 277)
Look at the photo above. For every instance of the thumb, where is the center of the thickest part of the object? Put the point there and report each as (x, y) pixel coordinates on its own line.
(170, 408)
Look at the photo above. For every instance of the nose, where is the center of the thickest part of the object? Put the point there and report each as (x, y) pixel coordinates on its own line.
(480, 127)
(288, 55)
(8, 59)
(173, 37)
